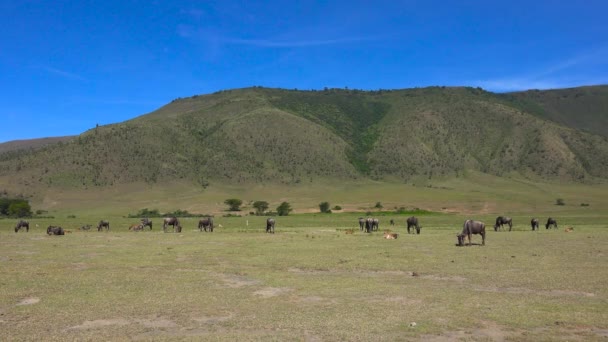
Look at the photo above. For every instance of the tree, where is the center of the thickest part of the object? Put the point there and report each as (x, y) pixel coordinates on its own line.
(260, 207)
(378, 205)
(20, 209)
(234, 204)
(324, 207)
(284, 209)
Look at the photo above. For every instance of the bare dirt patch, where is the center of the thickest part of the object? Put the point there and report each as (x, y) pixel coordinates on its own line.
(236, 281)
(457, 279)
(79, 266)
(100, 323)
(213, 319)
(148, 323)
(268, 292)
(522, 290)
(313, 300)
(29, 301)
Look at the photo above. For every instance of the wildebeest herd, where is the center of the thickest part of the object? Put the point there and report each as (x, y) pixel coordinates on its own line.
(367, 225)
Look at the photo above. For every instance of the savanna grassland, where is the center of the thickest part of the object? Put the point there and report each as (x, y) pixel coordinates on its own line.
(312, 280)
(445, 154)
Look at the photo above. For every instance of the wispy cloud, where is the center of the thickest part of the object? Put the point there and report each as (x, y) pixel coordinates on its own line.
(186, 31)
(557, 75)
(63, 73)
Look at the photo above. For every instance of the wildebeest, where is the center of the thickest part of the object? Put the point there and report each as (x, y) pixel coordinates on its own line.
(146, 222)
(369, 225)
(22, 224)
(501, 220)
(413, 222)
(85, 227)
(270, 225)
(392, 222)
(375, 224)
(534, 223)
(551, 222)
(205, 223)
(102, 224)
(361, 223)
(172, 221)
(54, 230)
(136, 227)
(469, 228)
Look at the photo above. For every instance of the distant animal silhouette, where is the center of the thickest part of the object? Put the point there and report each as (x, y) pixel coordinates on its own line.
(103, 224)
(551, 222)
(22, 224)
(469, 228)
(206, 223)
(270, 225)
(413, 222)
(502, 220)
(534, 223)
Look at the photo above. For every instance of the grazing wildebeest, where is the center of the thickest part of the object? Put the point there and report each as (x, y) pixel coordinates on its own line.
(500, 220)
(205, 223)
(270, 225)
(551, 222)
(22, 224)
(102, 224)
(172, 221)
(392, 222)
(375, 224)
(85, 227)
(146, 222)
(534, 223)
(413, 222)
(469, 228)
(136, 227)
(361, 223)
(54, 230)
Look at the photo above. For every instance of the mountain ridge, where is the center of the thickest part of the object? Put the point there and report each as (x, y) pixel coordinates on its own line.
(290, 136)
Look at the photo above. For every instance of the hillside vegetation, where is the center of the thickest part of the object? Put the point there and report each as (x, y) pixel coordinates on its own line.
(260, 135)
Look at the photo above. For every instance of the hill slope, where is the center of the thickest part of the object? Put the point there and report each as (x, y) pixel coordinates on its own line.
(283, 136)
(583, 108)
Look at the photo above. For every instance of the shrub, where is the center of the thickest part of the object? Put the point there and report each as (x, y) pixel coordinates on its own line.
(234, 204)
(560, 201)
(324, 207)
(284, 209)
(337, 207)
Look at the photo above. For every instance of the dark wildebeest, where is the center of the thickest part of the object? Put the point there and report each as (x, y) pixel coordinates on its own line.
(270, 225)
(551, 222)
(369, 224)
(361, 223)
(500, 220)
(392, 222)
(172, 221)
(22, 224)
(85, 227)
(534, 223)
(53, 230)
(102, 224)
(136, 227)
(413, 222)
(469, 228)
(146, 222)
(205, 223)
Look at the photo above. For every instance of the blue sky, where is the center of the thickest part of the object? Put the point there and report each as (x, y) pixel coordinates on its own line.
(66, 66)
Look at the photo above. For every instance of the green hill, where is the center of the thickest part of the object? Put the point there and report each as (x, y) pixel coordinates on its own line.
(584, 108)
(260, 135)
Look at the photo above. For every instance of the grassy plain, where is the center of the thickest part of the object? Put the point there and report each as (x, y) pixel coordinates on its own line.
(309, 282)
